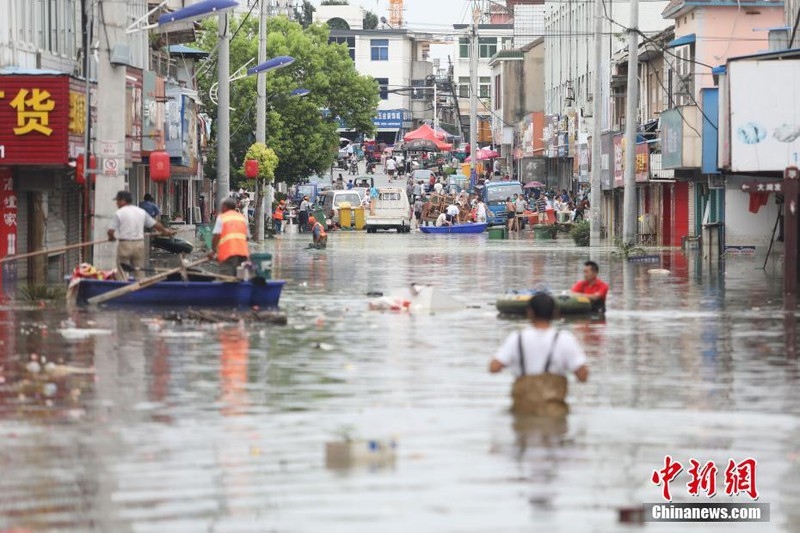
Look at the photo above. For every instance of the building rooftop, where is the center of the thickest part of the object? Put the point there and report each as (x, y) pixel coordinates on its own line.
(679, 7)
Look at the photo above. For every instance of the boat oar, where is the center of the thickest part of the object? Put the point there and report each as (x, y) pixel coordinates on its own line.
(133, 287)
(52, 250)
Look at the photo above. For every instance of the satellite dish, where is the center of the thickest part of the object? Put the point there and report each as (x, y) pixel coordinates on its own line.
(383, 20)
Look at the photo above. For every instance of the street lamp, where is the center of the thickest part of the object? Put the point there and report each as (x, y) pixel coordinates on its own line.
(197, 11)
(271, 64)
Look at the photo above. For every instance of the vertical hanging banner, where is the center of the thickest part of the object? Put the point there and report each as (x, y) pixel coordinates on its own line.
(8, 232)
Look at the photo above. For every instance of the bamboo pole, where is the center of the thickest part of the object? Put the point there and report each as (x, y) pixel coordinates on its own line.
(51, 250)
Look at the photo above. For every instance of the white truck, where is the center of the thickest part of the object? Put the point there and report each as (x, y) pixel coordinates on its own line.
(392, 211)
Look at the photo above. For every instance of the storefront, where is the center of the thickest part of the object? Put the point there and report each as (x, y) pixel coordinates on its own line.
(391, 125)
(42, 121)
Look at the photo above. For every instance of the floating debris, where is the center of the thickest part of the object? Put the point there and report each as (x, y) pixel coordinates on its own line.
(216, 317)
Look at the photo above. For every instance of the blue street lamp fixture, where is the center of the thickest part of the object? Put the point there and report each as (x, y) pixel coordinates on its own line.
(197, 11)
(300, 92)
(271, 64)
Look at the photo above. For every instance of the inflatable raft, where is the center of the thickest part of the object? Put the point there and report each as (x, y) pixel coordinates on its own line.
(516, 303)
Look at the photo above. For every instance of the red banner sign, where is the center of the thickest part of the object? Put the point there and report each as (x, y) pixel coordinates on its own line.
(34, 120)
(8, 228)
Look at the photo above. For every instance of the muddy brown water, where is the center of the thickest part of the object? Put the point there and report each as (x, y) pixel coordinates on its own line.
(184, 428)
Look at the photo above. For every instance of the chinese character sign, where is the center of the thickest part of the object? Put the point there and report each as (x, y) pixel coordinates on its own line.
(739, 478)
(36, 115)
(642, 162)
(619, 161)
(672, 139)
(8, 227)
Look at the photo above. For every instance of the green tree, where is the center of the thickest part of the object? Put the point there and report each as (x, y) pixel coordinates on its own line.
(304, 14)
(267, 160)
(370, 20)
(304, 138)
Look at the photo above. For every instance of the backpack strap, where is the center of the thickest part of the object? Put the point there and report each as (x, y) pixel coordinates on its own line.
(521, 354)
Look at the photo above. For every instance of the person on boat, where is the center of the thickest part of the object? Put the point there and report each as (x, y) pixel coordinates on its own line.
(229, 241)
(277, 216)
(592, 286)
(442, 220)
(127, 228)
(149, 205)
(318, 233)
(540, 349)
(452, 213)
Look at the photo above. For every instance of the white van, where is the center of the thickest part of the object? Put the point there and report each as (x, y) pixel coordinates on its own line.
(332, 200)
(392, 211)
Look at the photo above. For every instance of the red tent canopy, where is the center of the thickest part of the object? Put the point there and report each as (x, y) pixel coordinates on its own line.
(427, 133)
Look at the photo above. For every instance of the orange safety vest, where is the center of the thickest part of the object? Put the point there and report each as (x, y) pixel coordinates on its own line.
(278, 215)
(233, 239)
(322, 232)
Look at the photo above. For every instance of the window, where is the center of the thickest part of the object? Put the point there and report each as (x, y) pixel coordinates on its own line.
(380, 49)
(418, 93)
(507, 43)
(485, 87)
(498, 98)
(350, 42)
(487, 47)
(684, 74)
(383, 88)
(463, 87)
(463, 47)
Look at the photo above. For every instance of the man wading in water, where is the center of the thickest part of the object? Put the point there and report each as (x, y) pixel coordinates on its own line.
(541, 357)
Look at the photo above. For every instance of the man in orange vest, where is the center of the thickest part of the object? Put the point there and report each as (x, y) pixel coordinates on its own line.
(318, 233)
(230, 238)
(277, 216)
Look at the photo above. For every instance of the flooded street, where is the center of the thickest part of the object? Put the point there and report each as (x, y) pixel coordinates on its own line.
(184, 428)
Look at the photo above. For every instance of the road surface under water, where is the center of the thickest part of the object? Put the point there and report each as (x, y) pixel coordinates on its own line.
(152, 426)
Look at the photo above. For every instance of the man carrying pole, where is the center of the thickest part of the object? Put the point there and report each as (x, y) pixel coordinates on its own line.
(229, 242)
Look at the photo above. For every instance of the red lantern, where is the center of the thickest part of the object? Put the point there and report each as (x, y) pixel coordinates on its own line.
(251, 169)
(159, 166)
(80, 172)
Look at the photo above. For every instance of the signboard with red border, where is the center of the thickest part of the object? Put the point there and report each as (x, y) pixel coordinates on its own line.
(34, 120)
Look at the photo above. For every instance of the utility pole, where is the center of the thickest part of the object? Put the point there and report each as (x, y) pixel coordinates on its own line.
(473, 95)
(261, 114)
(86, 231)
(632, 105)
(223, 111)
(111, 98)
(435, 106)
(596, 211)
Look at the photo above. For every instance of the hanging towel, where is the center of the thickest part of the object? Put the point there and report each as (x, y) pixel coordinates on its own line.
(757, 199)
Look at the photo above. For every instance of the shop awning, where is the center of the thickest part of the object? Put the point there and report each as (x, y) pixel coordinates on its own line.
(680, 41)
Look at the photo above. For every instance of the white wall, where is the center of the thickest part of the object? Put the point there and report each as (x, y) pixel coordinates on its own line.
(743, 228)
(461, 65)
(397, 69)
(353, 15)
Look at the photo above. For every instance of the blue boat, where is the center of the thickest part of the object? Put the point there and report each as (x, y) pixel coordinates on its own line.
(479, 227)
(264, 294)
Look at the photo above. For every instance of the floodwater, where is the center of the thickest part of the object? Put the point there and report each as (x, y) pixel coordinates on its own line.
(151, 426)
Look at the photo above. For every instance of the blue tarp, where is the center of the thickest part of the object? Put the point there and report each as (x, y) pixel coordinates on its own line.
(686, 39)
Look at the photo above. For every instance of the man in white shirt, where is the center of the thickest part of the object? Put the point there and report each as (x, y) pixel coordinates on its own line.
(438, 187)
(540, 341)
(391, 167)
(452, 213)
(127, 228)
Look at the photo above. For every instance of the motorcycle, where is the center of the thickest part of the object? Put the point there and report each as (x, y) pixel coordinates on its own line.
(353, 168)
(370, 168)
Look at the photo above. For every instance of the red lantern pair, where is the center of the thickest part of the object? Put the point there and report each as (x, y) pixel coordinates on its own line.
(251, 169)
(80, 168)
(159, 166)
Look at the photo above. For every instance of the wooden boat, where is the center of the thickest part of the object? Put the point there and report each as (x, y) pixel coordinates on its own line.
(516, 303)
(478, 227)
(192, 293)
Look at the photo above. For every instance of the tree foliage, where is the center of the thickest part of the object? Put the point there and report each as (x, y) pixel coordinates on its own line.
(304, 138)
(304, 14)
(267, 160)
(370, 20)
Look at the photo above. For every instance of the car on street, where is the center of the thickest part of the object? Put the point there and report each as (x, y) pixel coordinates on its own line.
(332, 202)
(392, 211)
